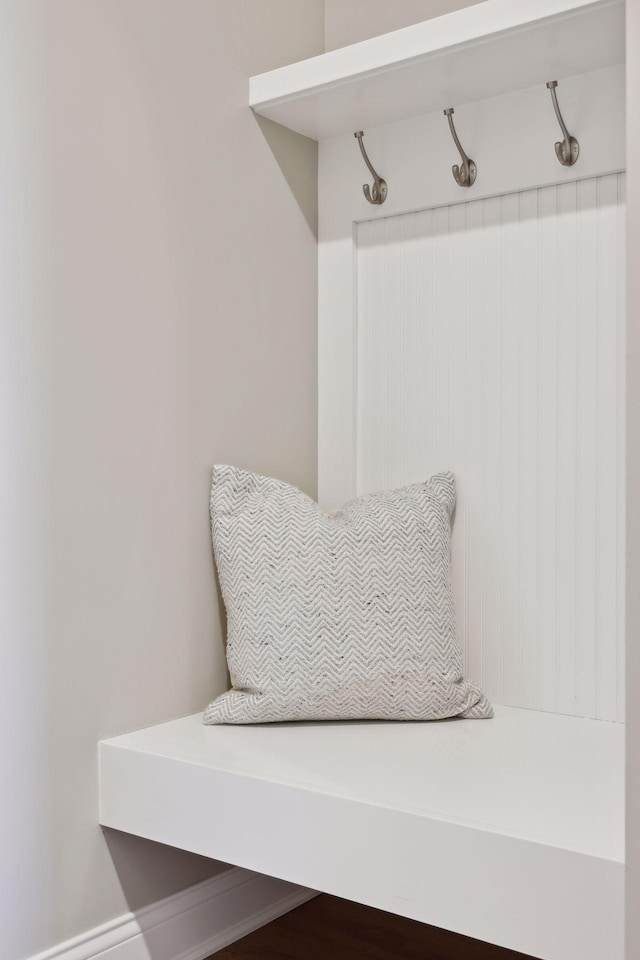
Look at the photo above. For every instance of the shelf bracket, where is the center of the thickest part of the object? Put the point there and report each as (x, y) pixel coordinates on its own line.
(378, 192)
(465, 174)
(567, 149)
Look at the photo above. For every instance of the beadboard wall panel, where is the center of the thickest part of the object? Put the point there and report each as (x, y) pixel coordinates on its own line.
(490, 341)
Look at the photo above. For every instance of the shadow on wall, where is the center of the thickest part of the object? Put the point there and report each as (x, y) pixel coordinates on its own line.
(297, 157)
(149, 871)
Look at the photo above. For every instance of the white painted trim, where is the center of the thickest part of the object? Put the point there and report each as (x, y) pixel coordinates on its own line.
(494, 47)
(438, 35)
(189, 925)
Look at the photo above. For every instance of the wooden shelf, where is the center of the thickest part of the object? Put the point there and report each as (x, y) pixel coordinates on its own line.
(481, 827)
(482, 51)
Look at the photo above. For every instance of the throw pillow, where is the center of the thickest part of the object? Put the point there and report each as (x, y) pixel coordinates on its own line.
(341, 616)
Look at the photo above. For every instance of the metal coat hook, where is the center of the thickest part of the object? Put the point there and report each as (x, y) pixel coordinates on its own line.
(378, 192)
(465, 174)
(568, 149)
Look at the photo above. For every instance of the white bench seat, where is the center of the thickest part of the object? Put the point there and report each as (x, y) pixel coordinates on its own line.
(510, 830)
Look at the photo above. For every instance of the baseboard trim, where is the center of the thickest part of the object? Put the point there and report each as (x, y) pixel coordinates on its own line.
(189, 925)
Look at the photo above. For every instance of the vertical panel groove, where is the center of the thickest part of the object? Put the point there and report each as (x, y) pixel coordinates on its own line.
(402, 385)
(500, 458)
(558, 348)
(466, 437)
(576, 473)
(483, 567)
(517, 698)
(491, 343)
(621, 444)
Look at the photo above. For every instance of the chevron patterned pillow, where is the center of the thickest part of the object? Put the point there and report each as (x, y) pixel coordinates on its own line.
(348, 616)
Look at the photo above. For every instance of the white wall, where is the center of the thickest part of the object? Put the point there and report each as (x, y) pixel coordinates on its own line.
(157, 314)
(360, 19)
(633, 483)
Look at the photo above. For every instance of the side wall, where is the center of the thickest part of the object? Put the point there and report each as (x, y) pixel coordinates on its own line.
(158, 314)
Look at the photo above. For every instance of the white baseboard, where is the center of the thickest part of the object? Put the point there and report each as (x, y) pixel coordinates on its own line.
(189, 925)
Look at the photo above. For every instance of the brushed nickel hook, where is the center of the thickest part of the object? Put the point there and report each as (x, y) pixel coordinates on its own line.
(378, 192)
(465, 174)
(568, 149)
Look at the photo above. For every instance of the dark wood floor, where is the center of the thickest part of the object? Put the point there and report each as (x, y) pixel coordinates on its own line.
(330, 929)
